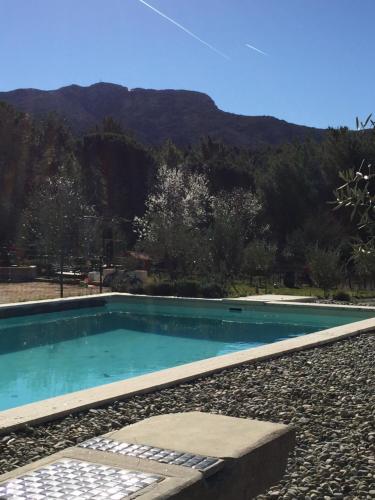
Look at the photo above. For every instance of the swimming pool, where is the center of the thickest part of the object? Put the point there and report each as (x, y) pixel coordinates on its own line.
(49, 354)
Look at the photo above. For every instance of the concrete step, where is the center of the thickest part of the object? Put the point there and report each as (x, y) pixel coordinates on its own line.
(175, 456)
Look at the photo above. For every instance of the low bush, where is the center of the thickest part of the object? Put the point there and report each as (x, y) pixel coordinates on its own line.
(180, 288)
(290, 279)
(109, 279)
(187, 288)
(213, 291)
(343, 296)
(137, 289)
(121, 281)
(163, 288)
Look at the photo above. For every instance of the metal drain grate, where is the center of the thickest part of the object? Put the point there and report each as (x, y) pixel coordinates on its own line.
(76, 480)
(163, 456)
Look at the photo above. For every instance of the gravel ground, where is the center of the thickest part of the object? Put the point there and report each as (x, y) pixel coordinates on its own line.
(327, 393)
(359, 302)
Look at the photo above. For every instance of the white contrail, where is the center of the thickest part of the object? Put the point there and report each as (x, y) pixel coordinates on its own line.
(184, 29)
(254, 48)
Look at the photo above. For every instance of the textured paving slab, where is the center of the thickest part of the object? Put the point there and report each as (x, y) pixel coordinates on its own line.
(201, 463)
(76, 479)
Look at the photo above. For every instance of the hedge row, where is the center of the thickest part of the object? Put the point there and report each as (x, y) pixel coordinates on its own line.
(184, 288)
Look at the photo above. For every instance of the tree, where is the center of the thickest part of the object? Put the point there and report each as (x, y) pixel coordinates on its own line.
(291, 186)
(111, 126)
(328, 233)
(234, 223)
(364, 265)
(358, 195)
(176, 212)
(325, 268)
(15, 137)
(226, 167)
(259, 258)
(117, 174)
(170, 155)
(54, 222)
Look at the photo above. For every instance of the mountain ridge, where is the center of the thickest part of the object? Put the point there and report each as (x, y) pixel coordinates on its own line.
(184, 116)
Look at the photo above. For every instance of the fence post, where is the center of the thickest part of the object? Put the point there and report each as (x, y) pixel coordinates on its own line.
(101, 275)
(61, 275)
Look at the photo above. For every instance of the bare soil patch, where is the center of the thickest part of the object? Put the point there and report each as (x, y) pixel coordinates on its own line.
(21, 292)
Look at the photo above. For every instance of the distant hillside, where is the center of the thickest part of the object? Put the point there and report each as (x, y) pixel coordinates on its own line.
(156, 115)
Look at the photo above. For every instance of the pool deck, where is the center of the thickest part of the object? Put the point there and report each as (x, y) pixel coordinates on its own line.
(60, 406)
(269, 297)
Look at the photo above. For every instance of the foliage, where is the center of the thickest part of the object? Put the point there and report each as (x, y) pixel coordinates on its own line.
(291, 187)
(259, 258)
(364, 262)
(207, 211)
(325, 267)
(54, 222)
(160, 288)
(176, 210)
(117, 175)
(234, 222)
(358, 194)
(187, 288)
(15, 150)
(213, 290)
(124, 282)
(342, 295)
(169, 155)
(328, 232)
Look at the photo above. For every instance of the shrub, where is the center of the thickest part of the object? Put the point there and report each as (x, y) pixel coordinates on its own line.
(121, 281)
(343, 296)
(325, 268)
(181, 288)
(118, 282)
(163, 288)
(137, 289)
(213, 291)
(187, 288)
(110, 279)
(290, 279)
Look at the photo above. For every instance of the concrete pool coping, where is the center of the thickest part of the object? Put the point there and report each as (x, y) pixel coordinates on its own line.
(74, 402)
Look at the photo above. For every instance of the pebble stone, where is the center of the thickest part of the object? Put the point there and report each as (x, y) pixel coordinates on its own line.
(327, 393)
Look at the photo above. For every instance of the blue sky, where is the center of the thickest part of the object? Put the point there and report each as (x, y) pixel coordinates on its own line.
(319, 69)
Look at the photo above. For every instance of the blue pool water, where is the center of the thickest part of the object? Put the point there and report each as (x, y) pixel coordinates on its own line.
(50, 354)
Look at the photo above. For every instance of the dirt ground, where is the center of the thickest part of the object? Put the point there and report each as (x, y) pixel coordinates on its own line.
(21, 292)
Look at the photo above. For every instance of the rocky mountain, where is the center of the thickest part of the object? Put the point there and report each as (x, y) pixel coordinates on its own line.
(156, 115)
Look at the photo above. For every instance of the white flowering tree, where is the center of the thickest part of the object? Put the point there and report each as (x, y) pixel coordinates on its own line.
(54, 223)
(176, 212)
